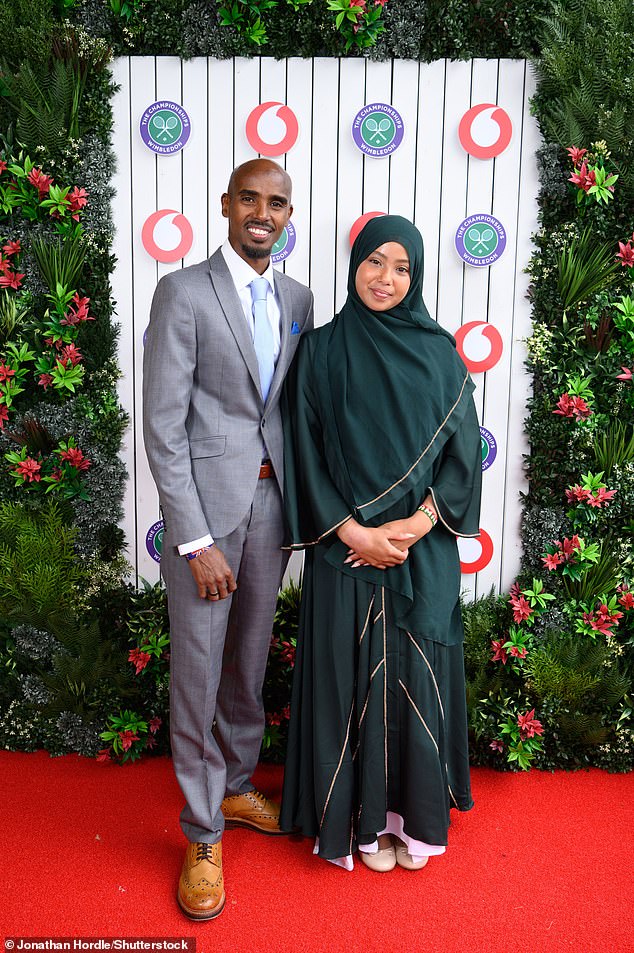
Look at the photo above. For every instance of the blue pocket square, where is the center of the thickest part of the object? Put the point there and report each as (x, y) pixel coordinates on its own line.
(294, 328)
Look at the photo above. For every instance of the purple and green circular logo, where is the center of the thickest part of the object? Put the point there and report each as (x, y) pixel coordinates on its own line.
(154, 540)
(377, 130)
(284, 245)
(165, 127)
(489, 448)
(480, 240)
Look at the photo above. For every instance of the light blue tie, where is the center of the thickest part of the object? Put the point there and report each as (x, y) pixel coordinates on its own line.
(262, 334)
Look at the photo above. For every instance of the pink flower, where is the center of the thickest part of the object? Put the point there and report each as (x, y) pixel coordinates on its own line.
(552, 560)
(150, 741)
(5, 373)
(626, 375)
(29, 469)
(139, 659)
(3, 165)
(576, 154)
(499, 652)
(580, 409)
(518, 651)
(72, 354)
(41, 181)
(600, 497)
(529, 725)
(564, 406)
(104, 755)
(497, 745)
(626, 254)
(12, 248)
(4, 415)
(521, 609)
(127, 737)
(380, 3)
(45, 381)
(582, 178)
(602, 619)
(577, 494)
(515, 590)
(76, 458)
(154, 724)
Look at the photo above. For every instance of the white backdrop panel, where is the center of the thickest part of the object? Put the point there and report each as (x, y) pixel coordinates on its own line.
(429, 178)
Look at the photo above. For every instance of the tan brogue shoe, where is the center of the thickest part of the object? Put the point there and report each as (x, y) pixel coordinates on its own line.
(252, 810)
(201, 894)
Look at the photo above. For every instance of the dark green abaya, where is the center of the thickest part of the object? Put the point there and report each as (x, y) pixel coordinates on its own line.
(379, 413)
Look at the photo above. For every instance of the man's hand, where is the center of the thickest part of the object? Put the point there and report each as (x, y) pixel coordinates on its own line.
(212, 575)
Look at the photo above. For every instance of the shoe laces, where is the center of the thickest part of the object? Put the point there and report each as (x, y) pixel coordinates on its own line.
(204, 852)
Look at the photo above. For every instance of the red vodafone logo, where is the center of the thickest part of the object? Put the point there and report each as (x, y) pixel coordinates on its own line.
(475, 554)
(479, 345)
(360, 223)
(272, 129)
(485, 131)
(167, 235)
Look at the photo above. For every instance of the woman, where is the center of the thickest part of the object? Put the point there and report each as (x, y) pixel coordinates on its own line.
(383, 471)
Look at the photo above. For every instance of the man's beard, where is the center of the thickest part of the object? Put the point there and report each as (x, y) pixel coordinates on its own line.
(256, 251)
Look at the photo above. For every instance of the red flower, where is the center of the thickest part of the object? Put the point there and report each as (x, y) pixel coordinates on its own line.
(139, 659)
(521, 609)
(79, 313)
(274, 719)
(76, 458)
(380, 3)
(626, 600)
(150, 741)
(577, 494)
(56, 475)
(582, 178)
(72, 354)
(4, 415)
(626, 375)
(29, 469)
(5, 373)
(529, 725)
(3, 165)
(41, 181)
(515, 590)
(499, 652)
(45, 381)
(518, 651)
(12, 248)
(626, 254)
(286, 712)
(77, 199)
(580, 409)
(552, 560)
(564, 406)
(576, 154)
(11, 279)
(497, 745)
(602, 619)
(127, 737)
(154, 724)
(104, 755)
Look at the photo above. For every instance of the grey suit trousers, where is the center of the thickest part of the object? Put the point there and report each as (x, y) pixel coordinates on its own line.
(220, 676)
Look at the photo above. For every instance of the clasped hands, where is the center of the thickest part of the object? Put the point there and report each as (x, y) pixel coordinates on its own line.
(213, 575)
(382, 546)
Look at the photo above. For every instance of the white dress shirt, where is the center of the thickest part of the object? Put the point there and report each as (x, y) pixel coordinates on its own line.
(242, 274)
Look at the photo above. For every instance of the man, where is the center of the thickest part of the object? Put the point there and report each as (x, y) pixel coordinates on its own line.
(218, 346)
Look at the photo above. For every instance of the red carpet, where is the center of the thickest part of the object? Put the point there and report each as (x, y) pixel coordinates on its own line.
(543, 863)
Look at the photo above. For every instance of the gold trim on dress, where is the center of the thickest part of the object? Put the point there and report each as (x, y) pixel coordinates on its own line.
(446, 525)
(367, 619)
(424, 723)
(431, 671)
(332, 783)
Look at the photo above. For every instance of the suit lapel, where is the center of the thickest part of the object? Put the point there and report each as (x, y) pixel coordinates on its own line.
(232, 310)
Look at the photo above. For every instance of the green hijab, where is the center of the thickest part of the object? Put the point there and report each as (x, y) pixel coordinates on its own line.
(397, 387)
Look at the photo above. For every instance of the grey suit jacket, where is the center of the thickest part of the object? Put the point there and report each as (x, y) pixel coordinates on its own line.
(204, 421)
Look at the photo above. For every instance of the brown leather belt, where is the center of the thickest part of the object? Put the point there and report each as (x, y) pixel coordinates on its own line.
(266, 470)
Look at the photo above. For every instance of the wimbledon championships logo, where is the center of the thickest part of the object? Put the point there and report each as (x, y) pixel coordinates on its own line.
(489, 448)
(154, 540)
(377, 130)
(165, 127)
(284, 245)
(480, 240)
